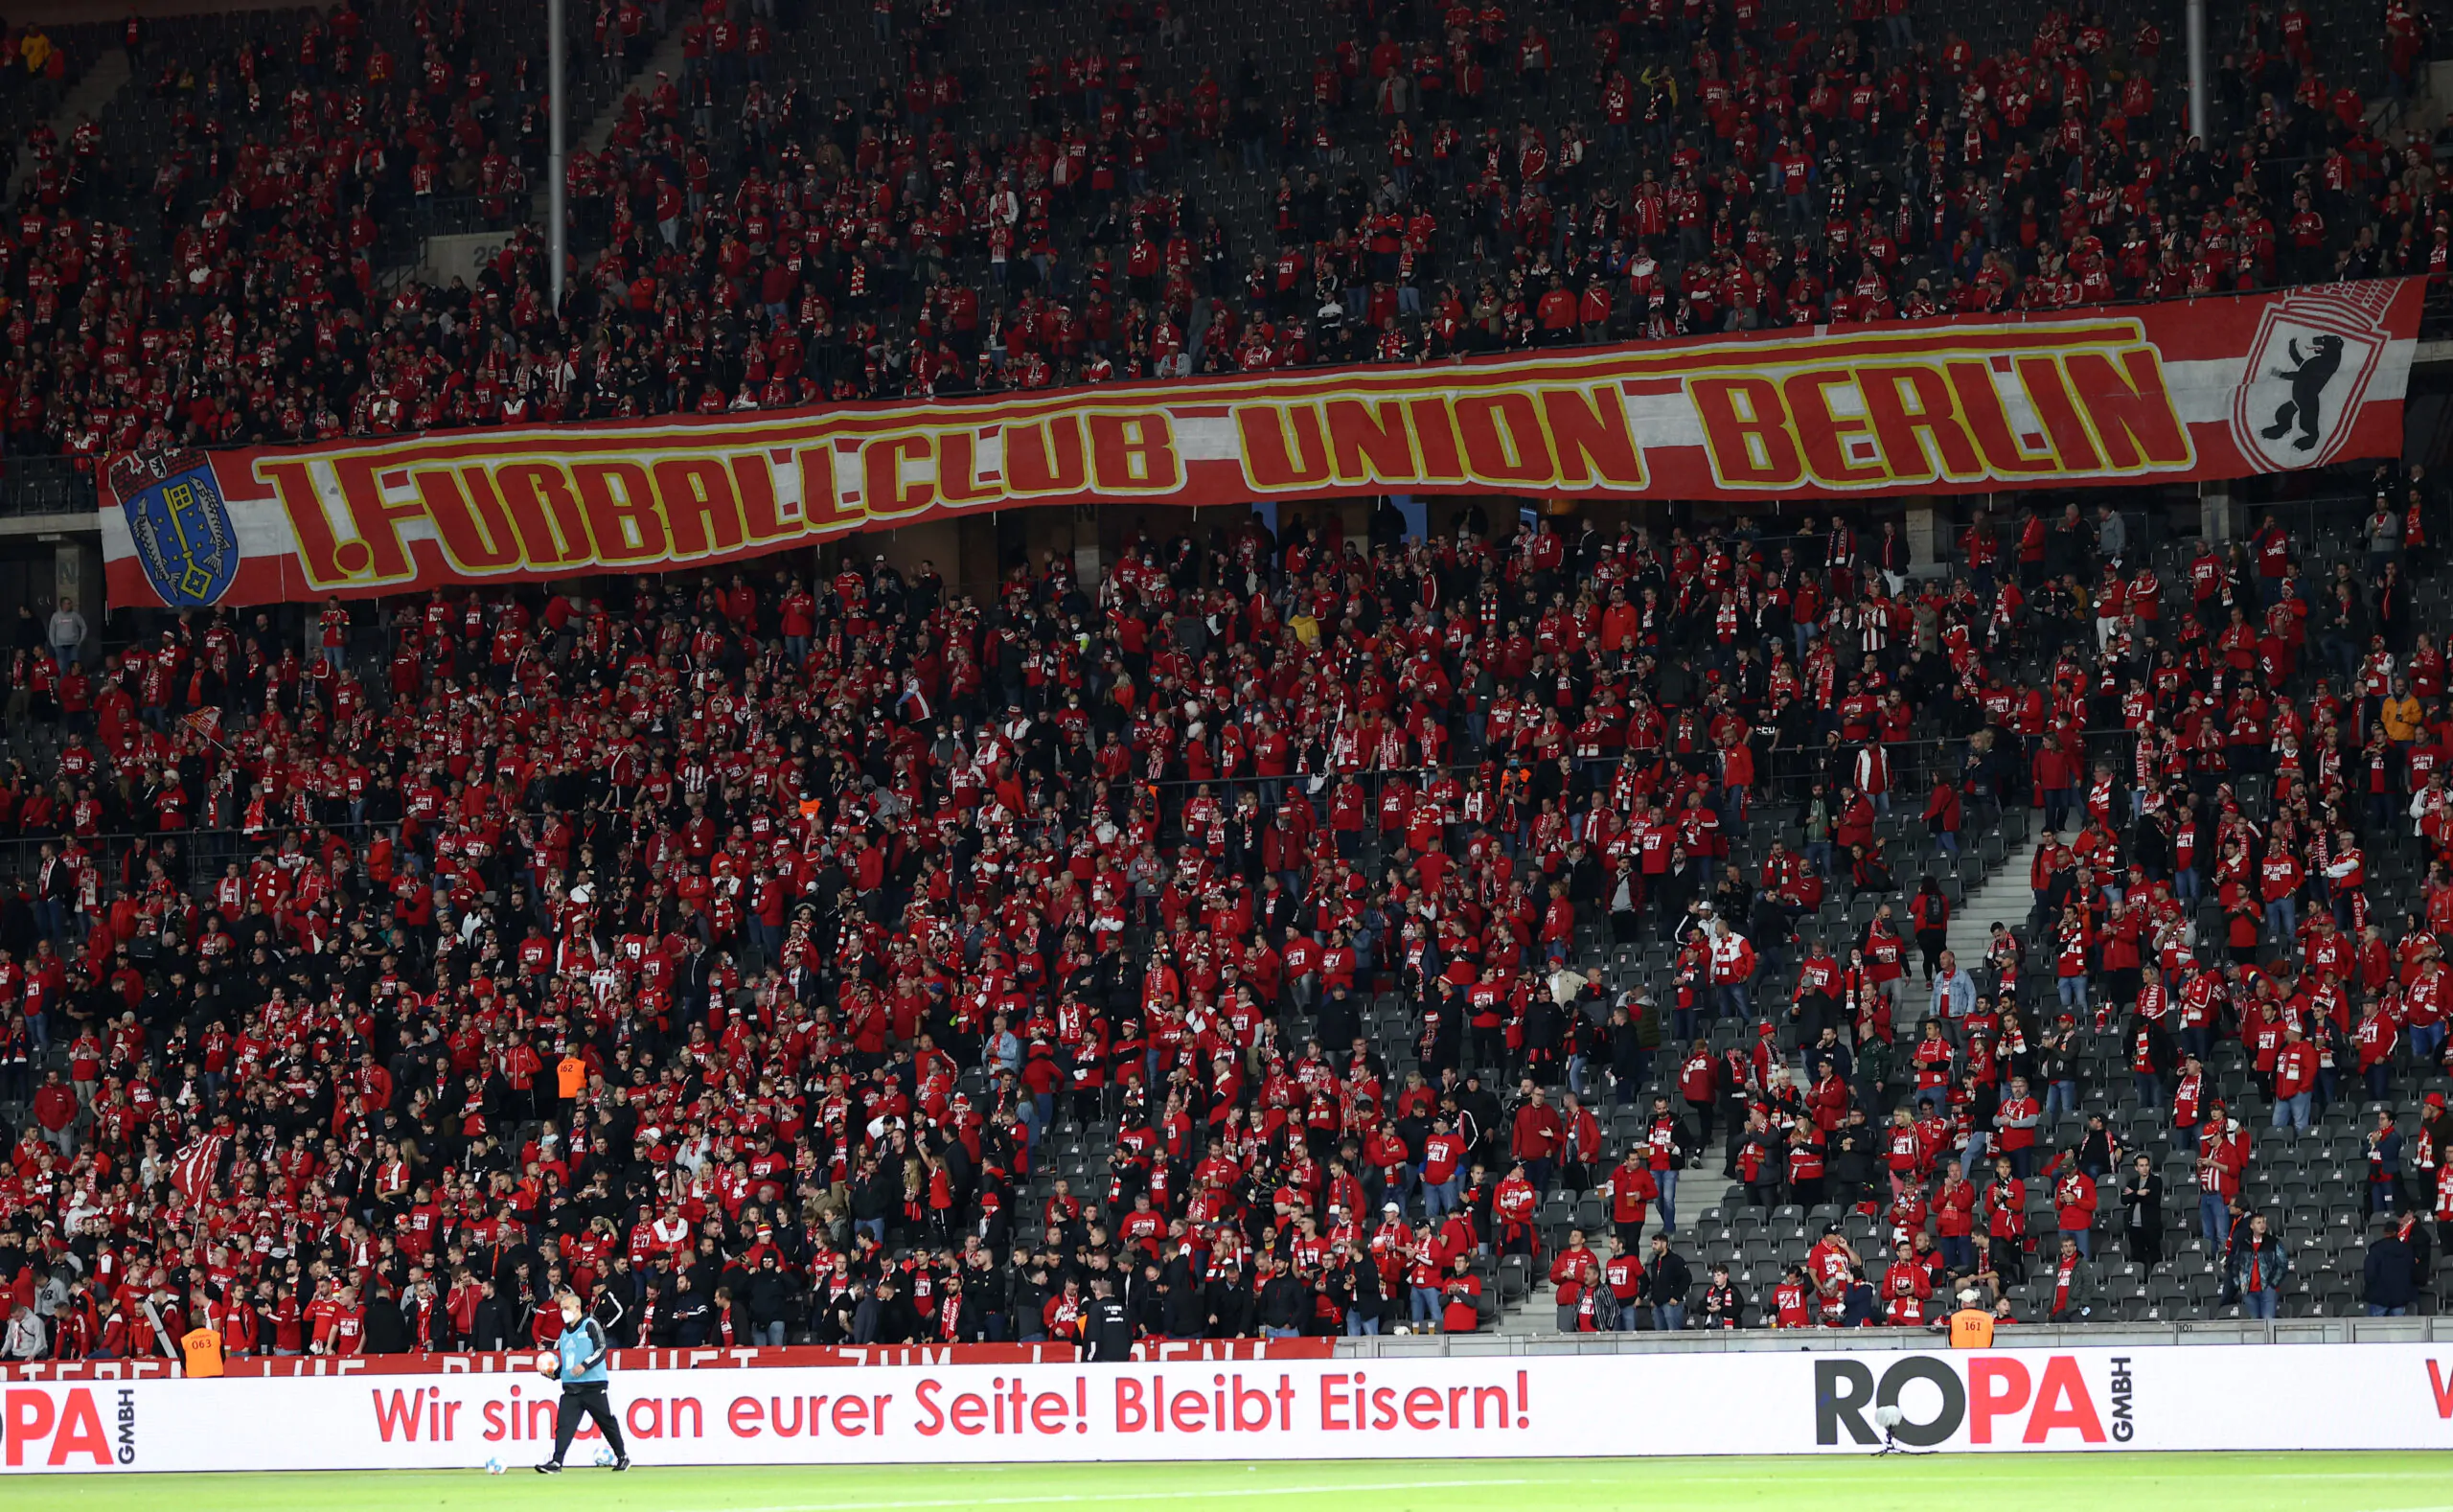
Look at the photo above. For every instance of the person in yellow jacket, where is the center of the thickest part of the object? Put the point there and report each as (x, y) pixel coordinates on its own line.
(2400, 713)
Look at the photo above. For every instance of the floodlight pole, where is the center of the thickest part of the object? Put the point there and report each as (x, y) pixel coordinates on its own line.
(2197, 122)
(556, 147)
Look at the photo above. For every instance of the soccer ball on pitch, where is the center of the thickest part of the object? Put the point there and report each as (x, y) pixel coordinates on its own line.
(548, 1362)
(603, 1457)
(493, 1467)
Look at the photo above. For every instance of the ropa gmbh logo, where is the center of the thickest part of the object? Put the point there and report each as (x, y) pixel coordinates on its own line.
(52, 1427)
(1975, 1399)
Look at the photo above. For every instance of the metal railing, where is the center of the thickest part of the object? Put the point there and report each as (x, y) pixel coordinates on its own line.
(36, 484)
(193, 859)
(1913, 1341)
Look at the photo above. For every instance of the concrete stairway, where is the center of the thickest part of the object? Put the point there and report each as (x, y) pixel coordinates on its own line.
(2005, 899)
(666, 58)
(86, 98)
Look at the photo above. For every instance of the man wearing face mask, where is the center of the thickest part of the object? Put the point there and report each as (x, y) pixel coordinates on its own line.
(587, 1393)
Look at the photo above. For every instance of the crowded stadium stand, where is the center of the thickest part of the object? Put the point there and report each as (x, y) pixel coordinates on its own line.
(1318, 921)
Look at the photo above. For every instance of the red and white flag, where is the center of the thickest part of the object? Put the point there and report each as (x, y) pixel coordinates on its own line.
(191, 1172)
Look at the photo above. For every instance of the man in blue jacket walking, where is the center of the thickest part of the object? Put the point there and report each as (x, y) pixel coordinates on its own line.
(586, 1387)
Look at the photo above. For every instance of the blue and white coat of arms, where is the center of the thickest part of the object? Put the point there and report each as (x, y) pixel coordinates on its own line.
(181, 528)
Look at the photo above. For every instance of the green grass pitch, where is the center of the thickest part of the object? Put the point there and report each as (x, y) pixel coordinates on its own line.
(2271, 1482)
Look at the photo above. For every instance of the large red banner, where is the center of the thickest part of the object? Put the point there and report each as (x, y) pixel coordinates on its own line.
(1893, 1387)
(710, 1356)
(2204, 389)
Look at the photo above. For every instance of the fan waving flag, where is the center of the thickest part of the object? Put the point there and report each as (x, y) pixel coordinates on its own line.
(191, 1172)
